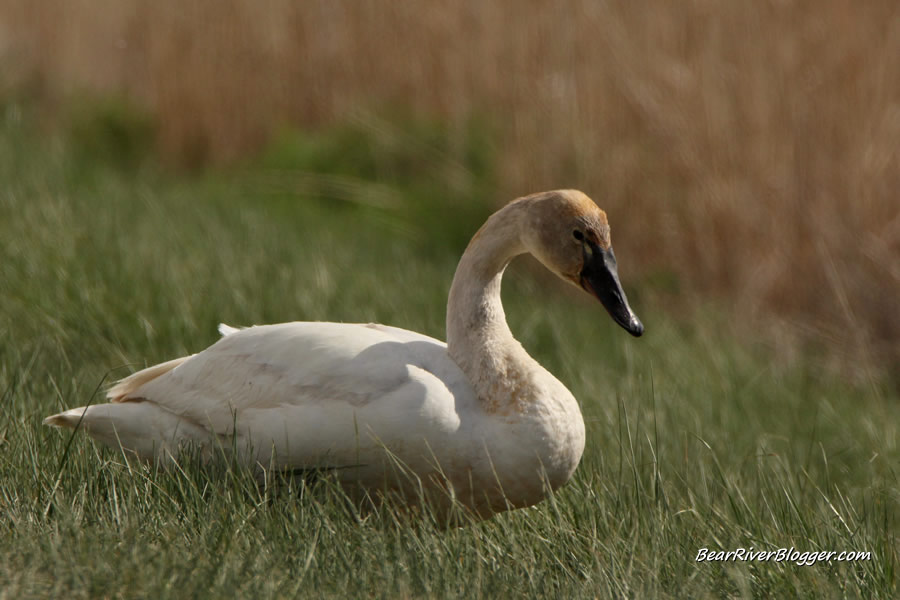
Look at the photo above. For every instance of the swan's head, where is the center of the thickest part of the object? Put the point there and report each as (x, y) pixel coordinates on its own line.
(569, 234)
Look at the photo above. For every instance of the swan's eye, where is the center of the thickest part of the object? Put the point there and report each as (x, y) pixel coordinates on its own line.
(578, 235)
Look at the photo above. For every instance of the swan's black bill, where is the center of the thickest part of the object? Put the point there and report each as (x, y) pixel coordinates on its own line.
(600, 278)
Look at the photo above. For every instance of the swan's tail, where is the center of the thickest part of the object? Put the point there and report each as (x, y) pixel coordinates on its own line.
(120, 392)
(142, 427)
(69, 419)
(127, 420)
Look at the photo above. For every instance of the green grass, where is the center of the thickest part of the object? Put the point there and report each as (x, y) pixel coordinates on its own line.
(696, 438)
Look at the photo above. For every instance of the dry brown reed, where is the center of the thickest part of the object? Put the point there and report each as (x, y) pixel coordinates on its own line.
(748, 150)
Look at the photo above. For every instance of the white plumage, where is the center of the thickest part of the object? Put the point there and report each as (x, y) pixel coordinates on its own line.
(479, 419)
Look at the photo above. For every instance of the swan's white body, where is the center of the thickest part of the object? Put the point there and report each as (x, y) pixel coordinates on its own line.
(375, 403)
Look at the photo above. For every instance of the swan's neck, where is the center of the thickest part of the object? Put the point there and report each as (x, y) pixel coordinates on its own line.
(478, 338)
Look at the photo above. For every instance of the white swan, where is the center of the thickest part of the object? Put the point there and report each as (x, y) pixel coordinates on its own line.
(476, 417)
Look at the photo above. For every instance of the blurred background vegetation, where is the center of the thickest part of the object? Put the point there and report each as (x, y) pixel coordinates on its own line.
(748, 154)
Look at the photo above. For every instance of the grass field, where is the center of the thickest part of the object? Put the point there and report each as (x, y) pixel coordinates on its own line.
(697, 437)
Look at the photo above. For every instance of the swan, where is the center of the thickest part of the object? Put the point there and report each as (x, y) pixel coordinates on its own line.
(476, 419)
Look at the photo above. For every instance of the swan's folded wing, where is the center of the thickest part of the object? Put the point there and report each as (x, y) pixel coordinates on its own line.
(334, 367)
(404, 335)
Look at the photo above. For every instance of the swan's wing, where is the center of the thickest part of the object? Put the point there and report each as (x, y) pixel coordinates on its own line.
(397, 333)
(404, 335)
(313, 374)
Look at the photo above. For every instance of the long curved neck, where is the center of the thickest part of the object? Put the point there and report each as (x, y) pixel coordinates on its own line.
(478, 338)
